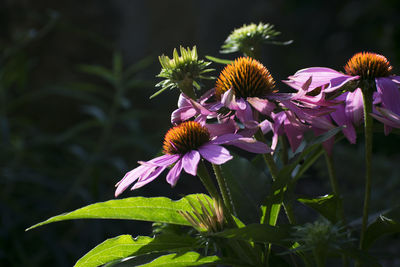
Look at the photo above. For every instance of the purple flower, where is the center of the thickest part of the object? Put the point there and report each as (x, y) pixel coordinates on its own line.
(363, 69)
(184, 146)
(188, 108)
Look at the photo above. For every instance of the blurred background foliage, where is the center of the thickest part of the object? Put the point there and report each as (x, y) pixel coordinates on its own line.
(75, 78)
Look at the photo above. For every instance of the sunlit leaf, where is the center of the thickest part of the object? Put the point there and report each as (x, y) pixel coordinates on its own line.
(327, 206)
(156, 209)
(187, 259)
(124, 246)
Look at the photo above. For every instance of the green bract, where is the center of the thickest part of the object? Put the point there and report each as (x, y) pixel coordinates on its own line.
(182, 71)
(248, 38)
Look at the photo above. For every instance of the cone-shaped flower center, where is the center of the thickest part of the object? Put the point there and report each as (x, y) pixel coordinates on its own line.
(247, 77)
(187, 136)
(368, 66)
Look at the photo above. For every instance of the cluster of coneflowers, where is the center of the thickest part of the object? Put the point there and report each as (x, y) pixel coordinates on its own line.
(245, 101)
(246, 110)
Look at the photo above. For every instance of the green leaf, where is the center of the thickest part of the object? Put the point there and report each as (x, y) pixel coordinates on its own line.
(326, 205)
(385, 224)
(157, 209)
(187, 259)
(124, 246)
(261, 233)
(247, 186)
(219, 60)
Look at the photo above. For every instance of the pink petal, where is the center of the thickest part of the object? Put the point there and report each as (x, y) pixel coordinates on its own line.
(215, 154)
(251, 145)
(190, 161)
(174, 173)
(148, 178)
(339, 116)
(164, 160)
(217, 129)
(226, 138)
(262, 105)
(182, 114)
(130, 177)
(355, 106)
(390, 94)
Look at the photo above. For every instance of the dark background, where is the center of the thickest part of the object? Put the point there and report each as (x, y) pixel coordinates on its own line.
(59, 151)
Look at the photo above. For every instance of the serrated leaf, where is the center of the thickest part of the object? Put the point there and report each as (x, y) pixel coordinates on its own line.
(261, 233)
(124, 246)
(156, 209)
(187, 259)
(385, 224)
(326, 205)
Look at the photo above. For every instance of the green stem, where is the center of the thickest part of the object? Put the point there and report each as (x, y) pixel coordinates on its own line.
(284, 150)
(223, 187)
(273, 169)
(334, 184)
(186, 87)
(368, 129)
(205, 178)
(336, 193)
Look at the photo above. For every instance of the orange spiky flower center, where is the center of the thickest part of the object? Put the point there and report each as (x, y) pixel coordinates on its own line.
(368, 66)
(247, 77)
(185, 137)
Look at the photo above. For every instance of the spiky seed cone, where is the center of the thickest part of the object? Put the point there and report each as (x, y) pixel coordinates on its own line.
(247, 77)
(186, 136)
(368, 66)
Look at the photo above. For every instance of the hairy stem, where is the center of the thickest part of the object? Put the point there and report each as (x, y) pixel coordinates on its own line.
(223, 187)
(368, 127)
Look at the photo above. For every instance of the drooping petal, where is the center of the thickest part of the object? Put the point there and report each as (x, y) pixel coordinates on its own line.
(355, 106)
(224, 139)
(387, 117)
(174, 173)
(200, 109)
(390, 94)
(217, 129)
(294, 133)
(251, 145)
(148, 178)
(245, 115)
(164, 160)
(130, 178)
(215, 154)
(262, 105)
(339, 116)
(182, 114)
(320, 76)
(190, 161)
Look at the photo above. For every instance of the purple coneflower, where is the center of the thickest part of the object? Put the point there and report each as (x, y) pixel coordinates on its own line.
(365, 70)
(184, 145)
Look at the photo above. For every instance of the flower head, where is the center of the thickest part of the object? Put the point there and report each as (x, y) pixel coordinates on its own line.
(184, 146)
(368, 66)
(185, 137)
(182, 71)
(246, 77)
(249, 38)
(365, 71)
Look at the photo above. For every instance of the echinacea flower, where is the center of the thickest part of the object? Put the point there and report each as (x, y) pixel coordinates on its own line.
(184, 146)
(243, 84)
(364, 71)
